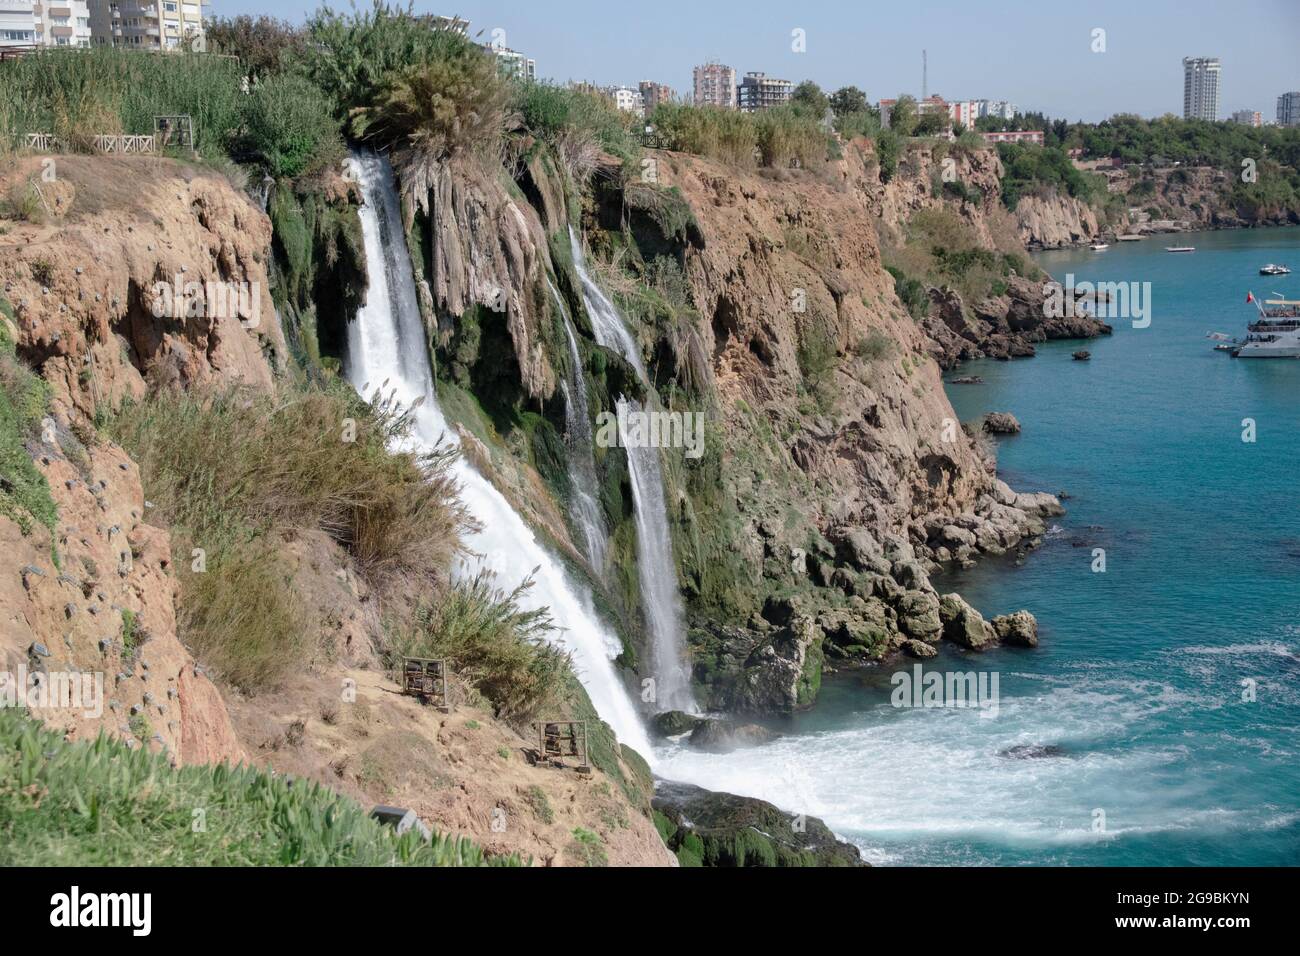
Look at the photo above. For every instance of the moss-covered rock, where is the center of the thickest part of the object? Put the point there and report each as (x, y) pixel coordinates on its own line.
(721, 829)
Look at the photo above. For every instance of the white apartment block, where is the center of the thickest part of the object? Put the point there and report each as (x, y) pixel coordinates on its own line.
(160, 25)
(44, 23)
(1288, 109)
(512, 63)
(628, 100)
(1201, 87)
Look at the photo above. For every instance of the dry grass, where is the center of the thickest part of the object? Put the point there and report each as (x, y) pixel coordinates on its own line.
(235, 472)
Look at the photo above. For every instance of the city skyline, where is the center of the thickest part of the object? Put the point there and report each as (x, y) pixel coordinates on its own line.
(1041, 59)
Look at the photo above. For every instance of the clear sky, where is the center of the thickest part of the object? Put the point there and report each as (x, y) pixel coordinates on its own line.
(1036, 53)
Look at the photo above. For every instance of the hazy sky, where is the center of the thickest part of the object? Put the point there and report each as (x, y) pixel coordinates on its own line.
(1036, 54)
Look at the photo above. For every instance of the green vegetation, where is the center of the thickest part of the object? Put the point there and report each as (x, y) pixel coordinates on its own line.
(779, 137)
(588, 847)
(234, 473)
(539, 804)
(99, 803)
(24, 402)
(491, 642)
(911, 292)
(1043, 169)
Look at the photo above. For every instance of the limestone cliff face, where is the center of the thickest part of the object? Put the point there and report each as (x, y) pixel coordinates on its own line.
(487, 247)
(1055, 220)
(785, 259)
(146, 272)
(104, 611)
(96, 597)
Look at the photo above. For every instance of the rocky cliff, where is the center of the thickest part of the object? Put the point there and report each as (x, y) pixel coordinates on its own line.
(121, 289)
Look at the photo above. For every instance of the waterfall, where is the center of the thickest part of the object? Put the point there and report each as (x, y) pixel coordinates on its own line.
(660, 596)
(606, 323)
(387, 344)
(584, 493)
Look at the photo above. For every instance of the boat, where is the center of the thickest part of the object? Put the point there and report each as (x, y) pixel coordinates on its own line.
(1180, 248)
(1274, 270)
(1276, 334)
(1099, 246)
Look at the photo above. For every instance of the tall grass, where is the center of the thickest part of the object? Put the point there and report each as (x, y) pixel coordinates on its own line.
(98, 803)
(779, 137)
(77, 94)
(493, 643)
(234, 473)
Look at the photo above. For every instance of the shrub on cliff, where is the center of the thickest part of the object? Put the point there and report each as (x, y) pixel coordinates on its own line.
(24, 401)
(490, 641)
(100, 803)
(289, 127)
(233, 473)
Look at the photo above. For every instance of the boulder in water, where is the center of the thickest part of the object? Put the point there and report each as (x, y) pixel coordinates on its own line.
(724, 736)
(672, 723)
(1001, 423)
(1019, 629)
(705, 828)
(964, 625)
(1032, 751)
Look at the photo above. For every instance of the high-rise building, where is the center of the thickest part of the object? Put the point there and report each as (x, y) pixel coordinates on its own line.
(758, 91)
(164, 25)
(1201, 87)
(652, 94)
(44, 23)
(1248, 118)
(1288, 109)
(715, 85)
(512, 62)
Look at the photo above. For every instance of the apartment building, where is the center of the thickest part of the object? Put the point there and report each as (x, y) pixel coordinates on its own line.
(628, 100)
(1201, 87)
(44, 23)
(1248, 117)
(1288, 109)
(1034, 136)
(652, 94)
(758, 91)
(156, 25)
(715, 85)
(513, 63)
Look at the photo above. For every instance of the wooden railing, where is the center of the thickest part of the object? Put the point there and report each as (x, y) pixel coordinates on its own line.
(47, 143)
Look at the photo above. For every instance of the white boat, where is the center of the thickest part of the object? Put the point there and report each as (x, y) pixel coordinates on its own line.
(1276, 334)
(1274, 270)
(1099, 246)
(1180, 248)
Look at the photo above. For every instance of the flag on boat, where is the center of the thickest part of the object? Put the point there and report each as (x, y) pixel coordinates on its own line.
(1250, 297)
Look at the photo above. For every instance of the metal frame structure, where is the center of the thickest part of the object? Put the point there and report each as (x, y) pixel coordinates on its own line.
(554, 745)
(426, 678)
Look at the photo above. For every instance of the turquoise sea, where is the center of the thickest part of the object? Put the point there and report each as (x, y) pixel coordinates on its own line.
(1167, 686)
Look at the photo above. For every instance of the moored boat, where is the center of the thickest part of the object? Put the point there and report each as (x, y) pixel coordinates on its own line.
(1276, 334)
(1274, 270)
(1180, 248)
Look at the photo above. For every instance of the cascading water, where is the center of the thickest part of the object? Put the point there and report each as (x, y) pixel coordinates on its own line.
(665, 620)
(606, 323)
(584, 503)
(386, 344)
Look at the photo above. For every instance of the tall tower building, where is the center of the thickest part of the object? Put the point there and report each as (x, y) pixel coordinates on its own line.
(1201, 87)
(715, 85)
(1288, 109)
